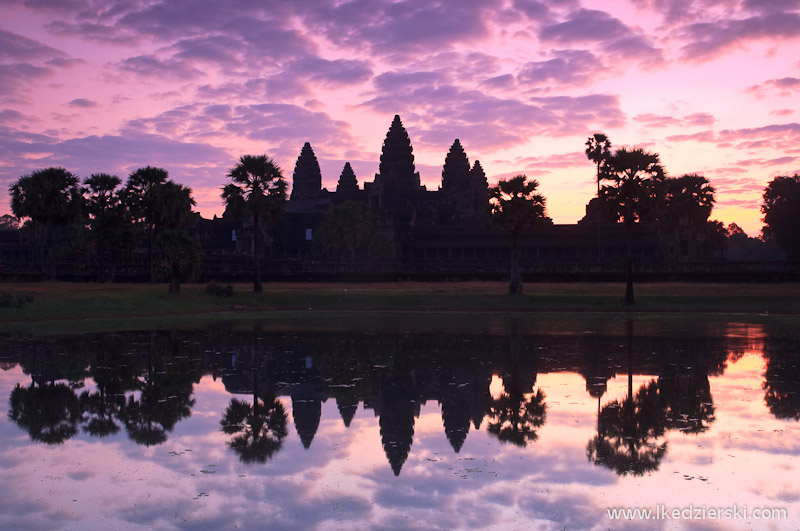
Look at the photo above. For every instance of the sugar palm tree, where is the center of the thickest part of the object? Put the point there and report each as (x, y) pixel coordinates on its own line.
(258, 189)
(104, 207)
(598, 150)
(140, 198)
(515, 204)
(50, 196)
(635, 176)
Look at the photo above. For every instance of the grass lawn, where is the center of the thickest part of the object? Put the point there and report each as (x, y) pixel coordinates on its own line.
(72, 306)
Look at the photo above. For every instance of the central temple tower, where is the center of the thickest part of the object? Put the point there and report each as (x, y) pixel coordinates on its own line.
(397, 178)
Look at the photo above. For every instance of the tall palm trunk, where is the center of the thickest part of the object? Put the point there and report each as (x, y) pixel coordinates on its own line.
(150, 252)
(599, 211)
(515, 284)
(257, 287)
(629, 274)
(51, 248)
(629, 330)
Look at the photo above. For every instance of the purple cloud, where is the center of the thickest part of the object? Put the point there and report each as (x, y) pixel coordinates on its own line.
(532, 9)
(11, 116)
(504, 81)
(569, 67)
(699, 118)
(709, 39)
(585, 25)
(400, 28)
(652, 120)
(82, 103)
(339, 72)
(151, 66)
(190, 163)
(15, 48)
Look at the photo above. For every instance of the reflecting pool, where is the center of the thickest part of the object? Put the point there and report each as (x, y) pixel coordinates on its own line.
(500, 422)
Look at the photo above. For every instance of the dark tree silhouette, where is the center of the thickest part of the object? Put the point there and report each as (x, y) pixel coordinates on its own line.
(627, 436)
(51, 197)
(165, 397)
(143, 204)
(516, 419)
(598, 150)
(258, 189)
(8, 222)
(49, 412)
(627, 431)
(781, 208)
(181, 256)
(346, 231)
(634, 175)
(782, 383)
(110, 222)
(688, 201)
(258, 432)
(515, 204)
(687, 401)
(113, 374)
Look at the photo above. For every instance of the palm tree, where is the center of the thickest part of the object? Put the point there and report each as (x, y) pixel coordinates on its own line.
(50, 196)
(514, 206)
(157, 203)
(103, 205)
(636, 176)
(598, 150)
(139, 196)
(688, 201)
(257, 188)
(181, 256)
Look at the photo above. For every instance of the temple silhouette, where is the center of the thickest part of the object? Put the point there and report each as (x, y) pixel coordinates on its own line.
(145, 382)
(415, 232)
(394, 228)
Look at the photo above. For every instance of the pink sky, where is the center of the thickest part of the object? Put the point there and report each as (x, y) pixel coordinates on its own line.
(713, 86)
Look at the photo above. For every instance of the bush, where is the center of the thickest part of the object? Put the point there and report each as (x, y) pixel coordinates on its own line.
(220, 291)
(7, 300)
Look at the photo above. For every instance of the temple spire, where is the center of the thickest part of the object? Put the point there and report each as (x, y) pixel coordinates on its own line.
(347, 186)
(456, 170)
(307, 177)
(398, 177)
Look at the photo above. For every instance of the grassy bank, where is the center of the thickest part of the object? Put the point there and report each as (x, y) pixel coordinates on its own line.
(68, 306)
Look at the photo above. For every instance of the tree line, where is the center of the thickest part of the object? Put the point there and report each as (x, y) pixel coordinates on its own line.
(632, 187)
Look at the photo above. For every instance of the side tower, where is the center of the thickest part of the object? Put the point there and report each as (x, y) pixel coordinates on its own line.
(464, 188)
(307, 177)
(347, 187)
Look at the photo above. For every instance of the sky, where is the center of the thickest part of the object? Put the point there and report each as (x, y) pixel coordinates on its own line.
(109, 86)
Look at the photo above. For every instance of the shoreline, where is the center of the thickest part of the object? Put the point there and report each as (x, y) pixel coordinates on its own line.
(66, 306)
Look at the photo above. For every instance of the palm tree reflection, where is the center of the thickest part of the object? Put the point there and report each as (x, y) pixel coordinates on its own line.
(627, 433)
(258, 432)
(49, 412)
(515, 416)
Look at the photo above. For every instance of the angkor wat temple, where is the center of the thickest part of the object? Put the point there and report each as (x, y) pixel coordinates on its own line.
(395, 228)
(438, 233)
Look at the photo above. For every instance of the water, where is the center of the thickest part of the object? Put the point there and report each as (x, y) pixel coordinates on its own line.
(508, 422)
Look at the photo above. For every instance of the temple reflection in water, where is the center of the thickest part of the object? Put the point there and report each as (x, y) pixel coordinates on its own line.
(143, 383)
